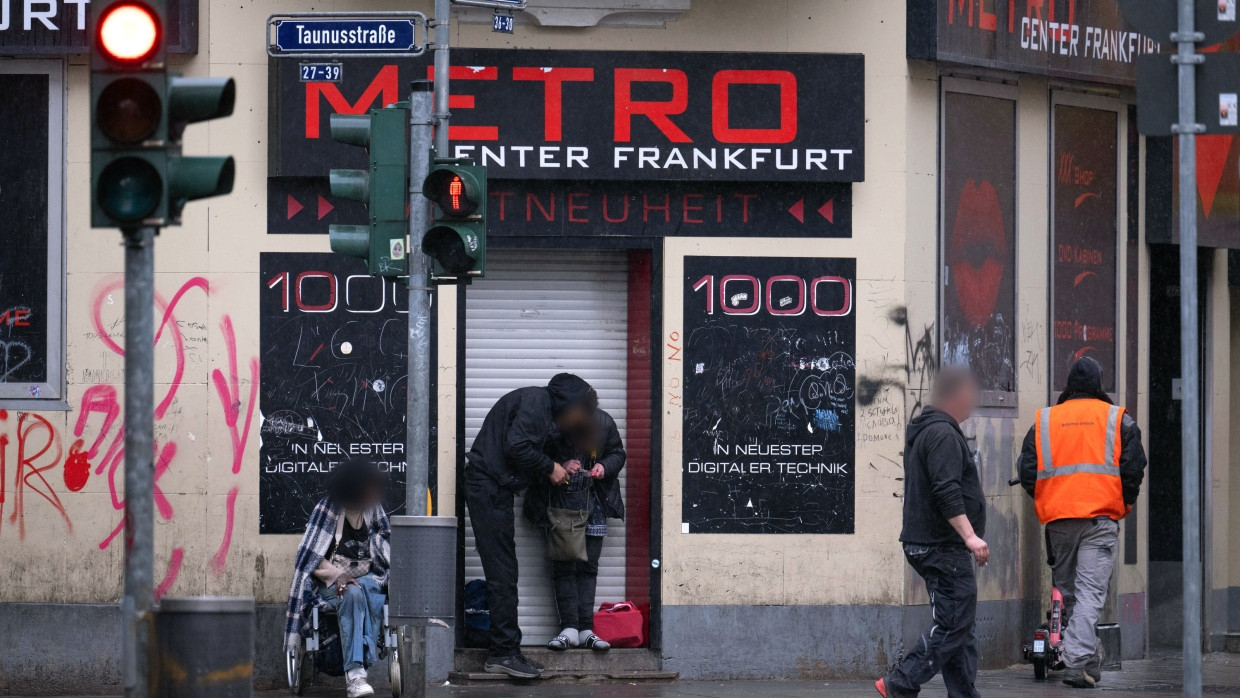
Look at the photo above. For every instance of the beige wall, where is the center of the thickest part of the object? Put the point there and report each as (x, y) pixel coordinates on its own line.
(213, 259)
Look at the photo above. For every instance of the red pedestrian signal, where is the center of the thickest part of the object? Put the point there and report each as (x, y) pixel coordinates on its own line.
(455, 189)
(129, 33)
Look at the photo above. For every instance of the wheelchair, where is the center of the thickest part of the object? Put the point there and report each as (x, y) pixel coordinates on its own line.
(310, 658)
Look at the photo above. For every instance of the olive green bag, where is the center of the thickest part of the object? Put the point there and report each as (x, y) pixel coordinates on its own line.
(566, 538)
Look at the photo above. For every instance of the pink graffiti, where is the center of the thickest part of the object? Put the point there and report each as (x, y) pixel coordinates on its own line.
(230, 394)
(221, 556)
(98, 437)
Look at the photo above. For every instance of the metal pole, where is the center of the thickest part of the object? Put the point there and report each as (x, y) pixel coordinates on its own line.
(418, 404)
(139, 594)
(1190, 404)
(443, 10)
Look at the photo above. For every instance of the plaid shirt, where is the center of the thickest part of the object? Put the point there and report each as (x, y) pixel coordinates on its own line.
(320, 531)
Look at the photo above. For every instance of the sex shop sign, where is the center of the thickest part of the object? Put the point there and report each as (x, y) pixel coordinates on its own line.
(1080, 39)
(600, 115)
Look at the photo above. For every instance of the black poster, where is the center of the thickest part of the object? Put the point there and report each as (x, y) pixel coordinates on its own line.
(1085, 257)
(768, 401)
(979, 241)
(1086, 39)
(601, 115)
(23, 232)
(333, 386)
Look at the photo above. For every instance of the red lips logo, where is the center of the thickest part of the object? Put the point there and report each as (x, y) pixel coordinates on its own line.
(977, 248)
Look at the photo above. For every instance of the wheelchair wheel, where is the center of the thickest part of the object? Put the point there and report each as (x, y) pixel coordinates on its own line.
(292, 663)
(394, 671)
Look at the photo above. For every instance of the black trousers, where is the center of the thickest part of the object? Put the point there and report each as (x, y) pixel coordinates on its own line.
(949, 644)
(491, 514)
(575, 584)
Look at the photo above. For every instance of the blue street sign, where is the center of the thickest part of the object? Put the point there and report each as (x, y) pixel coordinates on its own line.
(503, 23)
(394, 35)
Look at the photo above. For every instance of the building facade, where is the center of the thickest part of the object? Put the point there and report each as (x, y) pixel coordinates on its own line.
(756, 228)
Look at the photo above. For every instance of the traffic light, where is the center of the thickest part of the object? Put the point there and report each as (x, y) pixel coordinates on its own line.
(457, 237)
(139, 111)
(384, 188)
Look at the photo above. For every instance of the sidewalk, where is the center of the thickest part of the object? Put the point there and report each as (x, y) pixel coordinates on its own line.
(1159, 677)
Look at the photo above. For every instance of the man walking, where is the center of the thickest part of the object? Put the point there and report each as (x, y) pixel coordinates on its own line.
(944, 521)
(506, 456)
(1082, 462)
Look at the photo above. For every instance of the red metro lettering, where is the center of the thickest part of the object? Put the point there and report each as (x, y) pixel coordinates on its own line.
(381, 91)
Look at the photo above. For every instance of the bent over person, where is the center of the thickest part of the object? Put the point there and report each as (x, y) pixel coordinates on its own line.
(944, 521)
(1083, 463)
(505, 458)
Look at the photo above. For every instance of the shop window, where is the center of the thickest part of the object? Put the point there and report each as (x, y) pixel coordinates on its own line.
(32, 235)
(978, 223)
(1084, 237)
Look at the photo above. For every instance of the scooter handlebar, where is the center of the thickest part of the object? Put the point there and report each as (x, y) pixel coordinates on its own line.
(1014, 482)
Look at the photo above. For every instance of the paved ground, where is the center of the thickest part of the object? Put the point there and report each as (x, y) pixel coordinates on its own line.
(1159, 677)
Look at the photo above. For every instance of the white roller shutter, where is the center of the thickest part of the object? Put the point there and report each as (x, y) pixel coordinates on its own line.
(537, 314)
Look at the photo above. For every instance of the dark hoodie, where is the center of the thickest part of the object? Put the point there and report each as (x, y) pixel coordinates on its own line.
(1085, 383)
(940, 482)
(509, 445)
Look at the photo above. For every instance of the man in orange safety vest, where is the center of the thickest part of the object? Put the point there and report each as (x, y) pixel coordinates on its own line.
(1083, 463)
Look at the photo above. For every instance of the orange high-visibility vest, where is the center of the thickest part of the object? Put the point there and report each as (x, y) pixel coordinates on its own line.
(1078, 445)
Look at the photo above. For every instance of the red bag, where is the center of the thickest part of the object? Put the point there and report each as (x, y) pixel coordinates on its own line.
(621, 624)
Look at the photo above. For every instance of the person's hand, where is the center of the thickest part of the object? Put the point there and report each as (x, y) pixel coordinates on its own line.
(981, 551)
(573, 466)
(342, 582)
(558, 474)
(597, 472)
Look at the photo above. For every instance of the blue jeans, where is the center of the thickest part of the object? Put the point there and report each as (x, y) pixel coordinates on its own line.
(360, 612)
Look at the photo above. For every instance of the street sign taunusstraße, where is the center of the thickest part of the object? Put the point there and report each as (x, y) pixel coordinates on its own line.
(340, 34)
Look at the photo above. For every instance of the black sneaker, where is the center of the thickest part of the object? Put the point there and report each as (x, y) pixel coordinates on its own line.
(514, 665)
(531, 662)
(1077, 678)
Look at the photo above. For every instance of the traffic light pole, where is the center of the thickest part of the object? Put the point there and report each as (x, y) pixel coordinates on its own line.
(1187, 59)
(139, 593)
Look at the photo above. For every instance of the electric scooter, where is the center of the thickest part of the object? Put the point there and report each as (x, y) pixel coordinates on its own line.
(1046, 650)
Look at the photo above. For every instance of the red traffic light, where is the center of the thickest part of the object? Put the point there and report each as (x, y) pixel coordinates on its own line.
(129, 33)
(454, 190)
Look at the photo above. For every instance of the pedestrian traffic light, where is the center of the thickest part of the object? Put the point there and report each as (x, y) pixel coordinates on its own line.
(384, 188)
(139, 111)
(457, 237)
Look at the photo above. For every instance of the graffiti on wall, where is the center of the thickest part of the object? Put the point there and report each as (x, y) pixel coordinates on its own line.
(42, 467)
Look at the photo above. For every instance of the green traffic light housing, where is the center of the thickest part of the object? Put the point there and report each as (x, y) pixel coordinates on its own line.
(139, 112)
(456, 240)
(383, 187)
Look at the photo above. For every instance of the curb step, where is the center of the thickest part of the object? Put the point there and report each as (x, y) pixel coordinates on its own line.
(553, 676)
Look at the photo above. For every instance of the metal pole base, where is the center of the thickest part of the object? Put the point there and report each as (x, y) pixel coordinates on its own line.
(412, 657)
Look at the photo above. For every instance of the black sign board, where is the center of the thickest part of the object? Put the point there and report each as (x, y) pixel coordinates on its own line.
(768, 395)
(1218, 85)
(1215, 19)
(333, 385)
(1218, 191)
(602, 115)
(1084, 264)
(24, 230)
(58, 27)
(1082, 39)
(556, 208)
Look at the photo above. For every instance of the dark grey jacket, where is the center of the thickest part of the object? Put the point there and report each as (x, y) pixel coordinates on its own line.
(611, 456)
(940, 482)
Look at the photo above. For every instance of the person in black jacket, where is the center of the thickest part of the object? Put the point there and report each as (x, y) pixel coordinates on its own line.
(594, 458)
(507, 456)
(944, 521)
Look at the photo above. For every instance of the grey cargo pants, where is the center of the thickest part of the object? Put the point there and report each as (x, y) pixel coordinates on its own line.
(1084, 551)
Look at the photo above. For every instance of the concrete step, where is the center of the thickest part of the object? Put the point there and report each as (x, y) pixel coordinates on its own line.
(573, 666)
(1231, 643)
(461, 678)
(576, 661)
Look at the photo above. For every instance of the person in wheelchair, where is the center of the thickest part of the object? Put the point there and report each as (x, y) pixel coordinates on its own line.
(342, 564)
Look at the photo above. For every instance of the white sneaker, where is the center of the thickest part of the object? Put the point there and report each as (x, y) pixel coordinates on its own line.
(357, 686)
